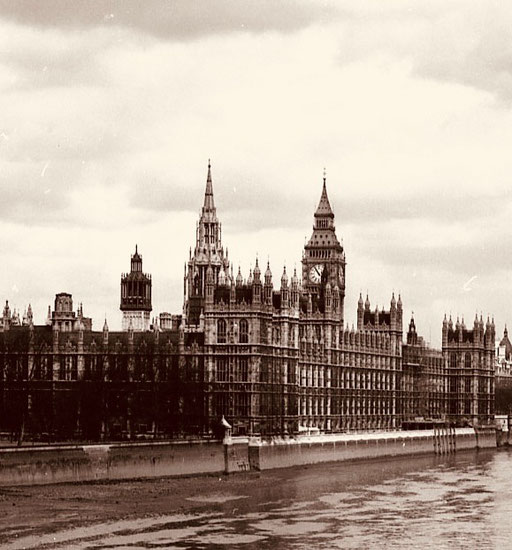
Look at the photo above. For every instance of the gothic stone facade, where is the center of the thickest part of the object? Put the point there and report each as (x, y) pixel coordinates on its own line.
(271, 359)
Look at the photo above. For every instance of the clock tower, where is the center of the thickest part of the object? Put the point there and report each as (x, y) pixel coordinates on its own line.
(324, 259)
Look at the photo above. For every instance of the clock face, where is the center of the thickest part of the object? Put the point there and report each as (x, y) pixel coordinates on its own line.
(315, 273)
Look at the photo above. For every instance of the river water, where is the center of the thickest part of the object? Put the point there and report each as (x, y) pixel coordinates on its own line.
(463, 501)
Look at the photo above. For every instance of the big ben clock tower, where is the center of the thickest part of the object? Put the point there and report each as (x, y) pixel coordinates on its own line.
(324, 259)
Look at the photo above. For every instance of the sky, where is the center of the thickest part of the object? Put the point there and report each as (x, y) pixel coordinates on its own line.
(110, 110)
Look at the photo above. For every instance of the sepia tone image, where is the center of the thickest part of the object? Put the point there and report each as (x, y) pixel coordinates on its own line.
(254, 284)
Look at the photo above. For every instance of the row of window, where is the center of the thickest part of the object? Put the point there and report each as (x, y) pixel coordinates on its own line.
(242, 328)
(467, 361)
(319, 406)
(237, 371)
(315, 253)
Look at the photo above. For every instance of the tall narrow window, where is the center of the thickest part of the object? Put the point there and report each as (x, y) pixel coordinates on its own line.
(467, 360)
(244, 332)
(221, 331)
(222, 370)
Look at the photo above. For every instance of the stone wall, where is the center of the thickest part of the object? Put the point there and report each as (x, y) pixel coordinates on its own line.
(264, 455)
(33, 465)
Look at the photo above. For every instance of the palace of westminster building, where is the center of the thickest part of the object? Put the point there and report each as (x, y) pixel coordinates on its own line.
(272, 358)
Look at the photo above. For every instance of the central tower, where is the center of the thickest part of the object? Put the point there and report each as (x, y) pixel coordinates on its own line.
(136, 296)
(208, 251)
(323, 259)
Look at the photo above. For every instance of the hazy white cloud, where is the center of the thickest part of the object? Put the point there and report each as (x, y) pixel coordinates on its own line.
(176, 20)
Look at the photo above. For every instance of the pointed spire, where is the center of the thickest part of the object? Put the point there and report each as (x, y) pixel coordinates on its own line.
(324, 207)
(294, 280)
(208, 194)
(268, 273)
(257, 270)
(284, 278)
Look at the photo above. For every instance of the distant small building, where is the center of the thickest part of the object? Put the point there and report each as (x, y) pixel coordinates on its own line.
(503, 357)
(136, 296)
(64, 319)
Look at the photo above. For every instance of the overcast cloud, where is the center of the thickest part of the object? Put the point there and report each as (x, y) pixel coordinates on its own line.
(110, 111)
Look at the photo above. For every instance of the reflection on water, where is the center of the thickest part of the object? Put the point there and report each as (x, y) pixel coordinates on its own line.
(461, 502)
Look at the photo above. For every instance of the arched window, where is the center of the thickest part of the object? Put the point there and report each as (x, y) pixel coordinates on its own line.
(467, 360)
(453, 360)
(244, 332)
(221, 331)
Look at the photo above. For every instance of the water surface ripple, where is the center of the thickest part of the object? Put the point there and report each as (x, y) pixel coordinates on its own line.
(428, 503)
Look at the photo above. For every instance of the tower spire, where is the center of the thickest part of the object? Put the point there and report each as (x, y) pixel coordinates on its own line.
(324, 206)
(208, 194)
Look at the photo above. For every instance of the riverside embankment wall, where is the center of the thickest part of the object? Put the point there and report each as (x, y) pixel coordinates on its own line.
(74, 463)
(264, 455)
(33, 465)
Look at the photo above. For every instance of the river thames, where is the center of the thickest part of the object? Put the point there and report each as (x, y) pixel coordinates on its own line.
(462, 501)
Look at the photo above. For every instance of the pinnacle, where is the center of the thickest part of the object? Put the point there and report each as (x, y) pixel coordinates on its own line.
(208, 194)
(324, 207)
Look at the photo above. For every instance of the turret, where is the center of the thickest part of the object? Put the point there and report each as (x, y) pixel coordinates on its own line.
(267, 290)
(239, 278)
(256, 284)
(105, 333)
(222, 277)
(232, 290)
(412, 336)
(393, 313)
(295, 296)
(458, 328)
(285, 293)
(445, 332)
(136, 296)
(257, 272)
(360, 312)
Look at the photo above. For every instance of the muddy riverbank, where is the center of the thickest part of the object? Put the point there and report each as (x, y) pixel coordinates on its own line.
(114, 514)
